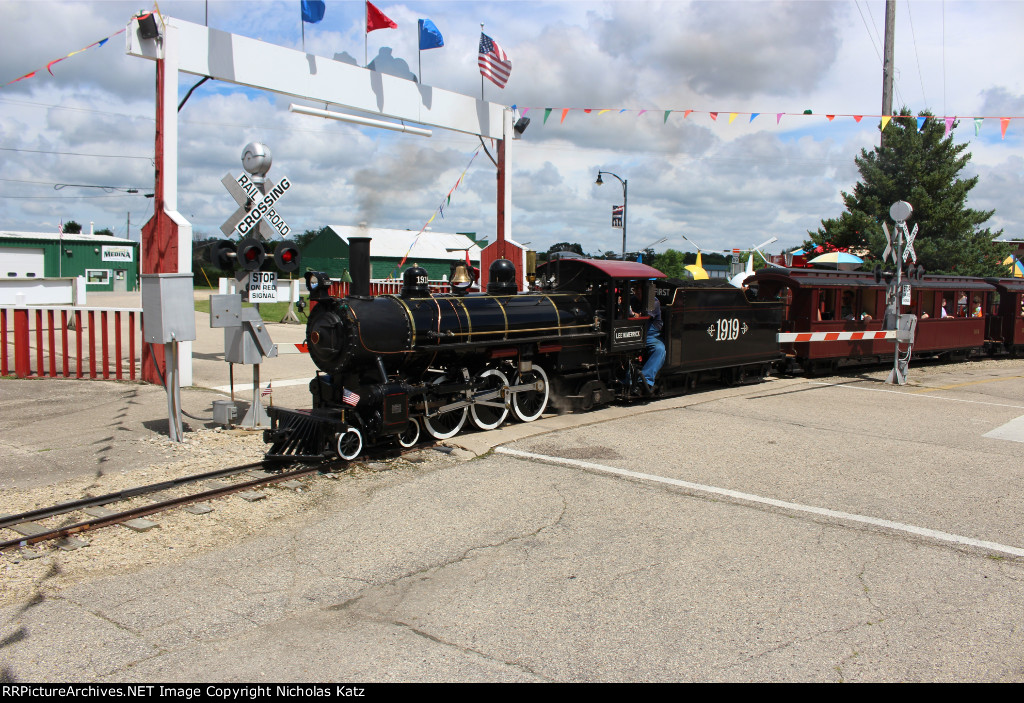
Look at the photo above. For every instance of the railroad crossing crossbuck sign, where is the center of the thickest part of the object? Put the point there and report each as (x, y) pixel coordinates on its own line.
(255, 207)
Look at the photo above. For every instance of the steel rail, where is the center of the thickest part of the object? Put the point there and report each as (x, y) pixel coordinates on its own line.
(154, 508)
(71, 506)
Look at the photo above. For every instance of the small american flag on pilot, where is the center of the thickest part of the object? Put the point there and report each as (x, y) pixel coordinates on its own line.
(349, 398)
(266, 391)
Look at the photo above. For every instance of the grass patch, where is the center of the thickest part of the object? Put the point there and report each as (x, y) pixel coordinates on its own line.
(270, 312)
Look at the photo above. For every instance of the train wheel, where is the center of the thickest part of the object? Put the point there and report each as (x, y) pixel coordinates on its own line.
(410, 435)
(489, 414)
(447, 424)
(527, 406)
(348, 444)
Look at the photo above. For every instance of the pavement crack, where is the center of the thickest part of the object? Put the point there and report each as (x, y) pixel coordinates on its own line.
(467, 650)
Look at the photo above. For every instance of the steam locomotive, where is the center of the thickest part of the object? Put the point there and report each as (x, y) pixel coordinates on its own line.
(391, 366)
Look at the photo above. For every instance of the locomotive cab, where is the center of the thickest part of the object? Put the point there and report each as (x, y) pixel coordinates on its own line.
(608, 284)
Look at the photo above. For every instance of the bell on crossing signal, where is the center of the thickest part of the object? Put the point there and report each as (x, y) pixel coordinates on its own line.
(286, 257)
(223, 254)
(251, 254)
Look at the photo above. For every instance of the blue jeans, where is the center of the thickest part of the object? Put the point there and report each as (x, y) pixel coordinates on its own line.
(655, 355)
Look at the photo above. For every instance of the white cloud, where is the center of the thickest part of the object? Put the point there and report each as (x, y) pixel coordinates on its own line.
(722, 184)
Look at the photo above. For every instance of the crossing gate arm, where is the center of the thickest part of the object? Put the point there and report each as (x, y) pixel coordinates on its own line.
(789, 337)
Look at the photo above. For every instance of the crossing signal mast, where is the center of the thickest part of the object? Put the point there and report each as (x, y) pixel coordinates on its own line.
(246, 340)
(256, 217)
(900, 246)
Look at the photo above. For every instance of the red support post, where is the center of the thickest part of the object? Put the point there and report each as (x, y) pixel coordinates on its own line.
(105, 345)
(131, 345)
(78, 343)
(40, 368)
(92, 344)
(64, 341)
(22, 366)
(3, 343)
(53, 344)
(117, 346)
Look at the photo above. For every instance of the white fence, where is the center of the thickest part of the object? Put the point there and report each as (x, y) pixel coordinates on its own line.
(42, 291)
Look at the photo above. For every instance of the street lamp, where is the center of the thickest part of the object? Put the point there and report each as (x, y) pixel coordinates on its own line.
(624, 205)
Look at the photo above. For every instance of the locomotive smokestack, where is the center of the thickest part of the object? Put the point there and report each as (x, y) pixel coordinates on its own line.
(359, 265)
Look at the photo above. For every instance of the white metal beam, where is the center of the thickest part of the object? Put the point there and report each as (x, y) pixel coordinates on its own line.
(256, 64)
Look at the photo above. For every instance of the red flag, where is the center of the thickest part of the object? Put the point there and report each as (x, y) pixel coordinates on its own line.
(375, 19)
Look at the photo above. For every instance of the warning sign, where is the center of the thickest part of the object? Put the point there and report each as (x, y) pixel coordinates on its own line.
(262, 287)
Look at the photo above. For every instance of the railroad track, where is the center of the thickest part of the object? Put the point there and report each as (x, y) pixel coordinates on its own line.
(117, 517)
(41, 534)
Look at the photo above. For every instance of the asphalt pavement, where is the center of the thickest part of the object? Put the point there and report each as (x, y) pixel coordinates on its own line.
(797, 530)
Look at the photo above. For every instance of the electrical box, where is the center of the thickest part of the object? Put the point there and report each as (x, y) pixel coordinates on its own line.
(225, 310)
(250, 342)
(168, 308)
(907, 328)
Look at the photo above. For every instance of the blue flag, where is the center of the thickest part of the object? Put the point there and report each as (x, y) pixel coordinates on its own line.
(430, 36)
(313, 10)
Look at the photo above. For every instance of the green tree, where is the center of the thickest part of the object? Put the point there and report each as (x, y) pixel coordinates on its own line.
(72, 227)
(575, 247)
(671, 263)
(301, 240)
(922, 167)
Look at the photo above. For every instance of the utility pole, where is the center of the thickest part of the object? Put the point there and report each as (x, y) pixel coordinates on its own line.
(887, 62)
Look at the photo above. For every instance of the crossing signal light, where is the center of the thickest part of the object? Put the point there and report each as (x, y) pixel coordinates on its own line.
(223, 254)
(286, 257)
(251, 254)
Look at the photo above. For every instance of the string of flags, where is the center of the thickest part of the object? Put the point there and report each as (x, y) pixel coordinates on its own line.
(49, 66)
(439, 211)
(1004, 122)
(495, 65)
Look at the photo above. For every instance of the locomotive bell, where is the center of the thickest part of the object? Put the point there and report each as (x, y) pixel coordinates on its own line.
(461, 280)
(414, 282)
(501, 278)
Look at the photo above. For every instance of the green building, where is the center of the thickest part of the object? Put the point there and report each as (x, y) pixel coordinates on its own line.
(434, 251)
(107, 263)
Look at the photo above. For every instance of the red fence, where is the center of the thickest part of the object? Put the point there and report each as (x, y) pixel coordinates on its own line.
(70, 342)
(340, 289)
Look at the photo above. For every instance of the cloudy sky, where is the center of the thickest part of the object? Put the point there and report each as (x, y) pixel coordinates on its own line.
(723, 184)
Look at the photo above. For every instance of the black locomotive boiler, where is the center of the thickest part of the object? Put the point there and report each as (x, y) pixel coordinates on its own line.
(391, 365)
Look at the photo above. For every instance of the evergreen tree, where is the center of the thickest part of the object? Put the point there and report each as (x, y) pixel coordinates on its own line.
(921, 167)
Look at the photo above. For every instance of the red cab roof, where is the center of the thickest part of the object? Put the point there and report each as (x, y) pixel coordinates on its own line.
(613, 268)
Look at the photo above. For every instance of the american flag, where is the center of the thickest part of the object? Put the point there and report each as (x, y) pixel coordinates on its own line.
(349, 398)
(266, 391)
(494, 64)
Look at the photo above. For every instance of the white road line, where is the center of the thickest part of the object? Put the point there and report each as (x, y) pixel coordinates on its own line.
(242, 387)
(1012, 430)
(760, 500)
(911, 395)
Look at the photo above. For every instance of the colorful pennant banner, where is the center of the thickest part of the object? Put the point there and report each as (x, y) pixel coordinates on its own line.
(439, 211)
(1004, 122)
(49, 66)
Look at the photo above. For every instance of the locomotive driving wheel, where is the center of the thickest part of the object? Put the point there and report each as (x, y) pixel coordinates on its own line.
(529, 404)
(489, 413)
(410, 435)
(441, 423)
(348, 444)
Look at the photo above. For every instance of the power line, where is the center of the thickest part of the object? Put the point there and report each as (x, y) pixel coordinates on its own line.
(74, 153)
(916, 55)
(66, 197)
